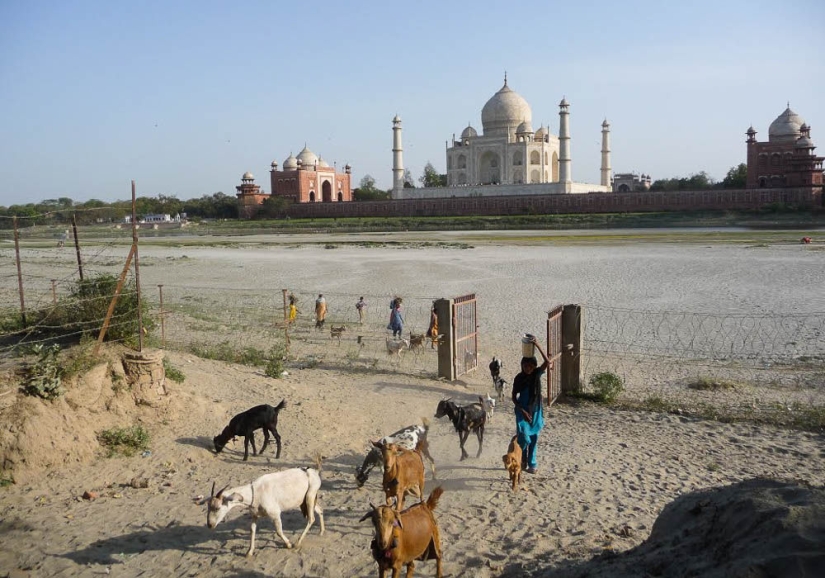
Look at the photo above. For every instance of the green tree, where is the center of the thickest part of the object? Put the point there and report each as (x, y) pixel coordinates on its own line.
(736, 178)
(409, 183)
(431, 178)
(367, 191)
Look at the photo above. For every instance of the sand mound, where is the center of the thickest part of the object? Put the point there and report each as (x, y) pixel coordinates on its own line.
(40, 435)
(756, 528)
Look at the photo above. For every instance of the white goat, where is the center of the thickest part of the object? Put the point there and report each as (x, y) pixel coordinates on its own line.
(270, 495)
(395, 347)
(489, 406)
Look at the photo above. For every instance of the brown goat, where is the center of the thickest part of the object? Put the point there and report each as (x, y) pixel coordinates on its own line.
(403, 537)
(403, 471)
(512, 462)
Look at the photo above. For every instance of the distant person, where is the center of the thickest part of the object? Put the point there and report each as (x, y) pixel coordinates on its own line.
(320, 311)
(361, 307)
(396, 319)
(527, 402)
(432, 330)
(293, 309)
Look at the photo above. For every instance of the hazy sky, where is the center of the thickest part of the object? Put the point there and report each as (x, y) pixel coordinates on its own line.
(184, 97)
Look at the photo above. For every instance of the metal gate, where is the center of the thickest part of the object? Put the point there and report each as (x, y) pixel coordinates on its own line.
(554, 349)
(465, 334)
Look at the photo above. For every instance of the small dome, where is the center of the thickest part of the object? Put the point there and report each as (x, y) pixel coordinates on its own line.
(524, 128)
(751, 130)
(274, 164)
(541, 133)
(247, 176)
(322, 163)
(787, 127)
(291, 163)
(605, 124)
(804, 143)
(564, 102)
(505, 109)
(307, 157)
(469, 132)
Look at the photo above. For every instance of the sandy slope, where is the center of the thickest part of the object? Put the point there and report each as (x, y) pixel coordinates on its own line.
(604, 478)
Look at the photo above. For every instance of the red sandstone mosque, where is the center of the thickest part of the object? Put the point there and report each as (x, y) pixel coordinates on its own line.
(306, 178)
(787, 159)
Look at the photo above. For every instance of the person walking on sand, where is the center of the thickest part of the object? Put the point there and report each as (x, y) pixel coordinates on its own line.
(361, 307)
(320, 311)
(527, 402)
(396, 320)
(293, 309)
(432, 330)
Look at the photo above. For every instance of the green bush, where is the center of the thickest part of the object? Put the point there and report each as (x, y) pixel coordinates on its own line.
(43, 377)
(172, 372)
(124, 441)
(275, 365)
(606, 387)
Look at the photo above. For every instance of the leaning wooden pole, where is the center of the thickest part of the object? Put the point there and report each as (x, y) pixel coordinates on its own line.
(19, 272)
(77, 246)
(137, 267)
(112, 304)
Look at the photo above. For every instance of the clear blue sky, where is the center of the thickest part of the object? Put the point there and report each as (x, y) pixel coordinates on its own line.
(184, 97)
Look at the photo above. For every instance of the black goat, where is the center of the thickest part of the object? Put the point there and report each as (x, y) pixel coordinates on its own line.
(465, 418)
(244, 424)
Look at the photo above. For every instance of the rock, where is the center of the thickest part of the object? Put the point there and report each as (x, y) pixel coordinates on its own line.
(139, 482)
(89, 495)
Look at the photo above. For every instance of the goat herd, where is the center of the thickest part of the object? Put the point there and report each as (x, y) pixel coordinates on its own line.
(401, 535)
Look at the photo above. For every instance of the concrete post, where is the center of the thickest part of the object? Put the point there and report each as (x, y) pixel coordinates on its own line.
(565, 170)
(397, 159)
(606, 170)
(572, 340)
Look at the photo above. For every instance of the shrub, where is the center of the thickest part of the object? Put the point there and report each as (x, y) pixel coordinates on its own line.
(43, 377)
(710, 384)
(124, 441)
(6, 482)
(275, 365)
(172, 372)
(606, 387)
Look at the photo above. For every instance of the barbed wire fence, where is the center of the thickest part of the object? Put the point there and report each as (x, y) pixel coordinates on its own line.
(738, 361)
(200, 319)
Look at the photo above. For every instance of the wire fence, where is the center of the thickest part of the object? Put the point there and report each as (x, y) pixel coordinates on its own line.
(738, 361)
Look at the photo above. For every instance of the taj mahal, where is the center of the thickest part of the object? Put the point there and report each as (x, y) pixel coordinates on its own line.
(509, 157)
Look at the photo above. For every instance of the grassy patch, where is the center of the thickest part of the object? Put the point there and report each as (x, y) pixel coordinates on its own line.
(44, 376)
(604, 388)
(172, 372)
(124, 441)
(6, 482)
(710, 384)
(226, 351)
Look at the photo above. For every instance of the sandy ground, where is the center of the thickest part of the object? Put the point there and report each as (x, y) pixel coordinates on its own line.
(604, 475)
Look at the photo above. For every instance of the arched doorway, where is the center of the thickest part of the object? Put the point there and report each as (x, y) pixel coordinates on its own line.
(312, 196)
(326, 192)
(340, 196)
(554, 167)
(490, 171)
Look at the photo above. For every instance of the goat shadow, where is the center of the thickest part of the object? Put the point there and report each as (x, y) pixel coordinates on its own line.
(170, 537)
(204, 442)
(382, 385)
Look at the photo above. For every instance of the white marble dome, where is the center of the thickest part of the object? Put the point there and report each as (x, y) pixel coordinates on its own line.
(247, 176)
(524, 128)
(291, 163)
(541, 133)
(322, 163)
(506, 109)
(469, 132)
(307, 157)
(786, 127)
(804, 142)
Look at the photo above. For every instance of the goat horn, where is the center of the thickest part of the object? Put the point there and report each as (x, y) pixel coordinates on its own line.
(373, 506)
(223, 489)
(212, 495)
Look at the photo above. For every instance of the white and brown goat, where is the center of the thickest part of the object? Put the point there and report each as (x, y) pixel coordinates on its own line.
(270, 495)
(466, 419)
(401, 538)
(412, 437)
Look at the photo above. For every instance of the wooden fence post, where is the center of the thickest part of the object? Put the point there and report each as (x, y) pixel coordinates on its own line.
(444, 312)
(162, 320)
(77, 247)
(19, 272)
(572, 341)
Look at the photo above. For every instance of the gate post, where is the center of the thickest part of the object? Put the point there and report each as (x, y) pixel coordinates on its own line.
(572, 341)
(444, 312)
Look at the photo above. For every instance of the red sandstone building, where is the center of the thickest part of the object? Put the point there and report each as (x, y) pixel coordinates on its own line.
(306, 178)
(787, 159)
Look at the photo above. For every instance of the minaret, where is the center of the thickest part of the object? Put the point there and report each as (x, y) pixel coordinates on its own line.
(606, 154)
(397, 159)
(565, 175)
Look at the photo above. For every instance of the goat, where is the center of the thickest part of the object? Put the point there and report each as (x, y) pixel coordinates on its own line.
(244, 424)
(412, 437)
(403, 537)
(403, 471)
(395, 347)
(495, 368)
(512, 462)
(270, 495)
(417, 341)
(489, 405)
(336, 332)
(465, 419)
(500, 386)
